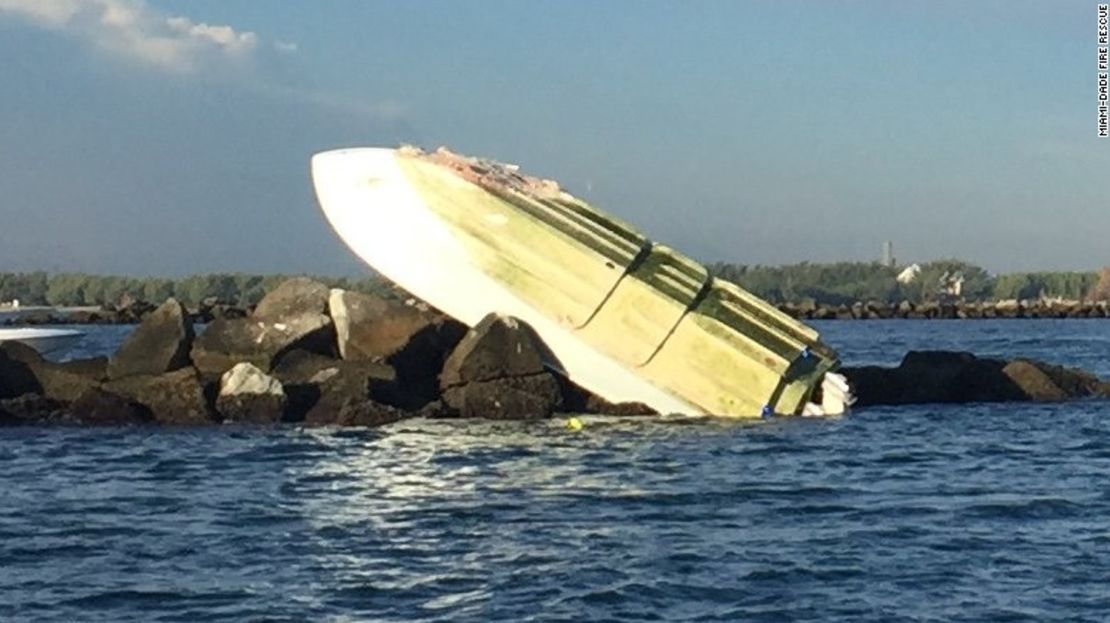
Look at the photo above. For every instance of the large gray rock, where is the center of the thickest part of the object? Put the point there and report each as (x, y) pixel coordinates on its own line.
(941, 376)
(65, 383)
(31, 409)
(16, 374)
(227, 342)
(531, 397)
(18, 351)
(497, 347)
(955, 377)
(92, 367)
(28, 371)
(299, 367)
(497, 372)
(1033, 382)
(293, 297)
(413, 340)
(292, 316)
(98, 407)
(321, 396)
(577, 399)
(1074, 382)
(160, 343)
(173, 398)
(356, 413)
(249, 395)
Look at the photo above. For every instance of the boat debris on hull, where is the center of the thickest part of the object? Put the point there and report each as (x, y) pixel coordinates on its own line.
(629, 319)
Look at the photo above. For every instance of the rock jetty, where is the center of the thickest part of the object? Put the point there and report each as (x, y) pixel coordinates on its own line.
(958, 310)
(306, 354)
(957, 377)
(133, 311)
(316, 356)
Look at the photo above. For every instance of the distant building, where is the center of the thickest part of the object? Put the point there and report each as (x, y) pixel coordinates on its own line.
(888, 254)
(909, 274)
(951, 284)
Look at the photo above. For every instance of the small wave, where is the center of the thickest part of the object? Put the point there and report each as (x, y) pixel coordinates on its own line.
(1037, 508)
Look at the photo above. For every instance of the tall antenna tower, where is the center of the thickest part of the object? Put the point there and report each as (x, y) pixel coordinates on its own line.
(888, 254)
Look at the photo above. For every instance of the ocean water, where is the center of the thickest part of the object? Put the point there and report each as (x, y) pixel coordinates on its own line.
(931, 513)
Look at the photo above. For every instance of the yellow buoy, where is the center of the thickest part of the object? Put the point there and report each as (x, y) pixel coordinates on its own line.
(574, 424)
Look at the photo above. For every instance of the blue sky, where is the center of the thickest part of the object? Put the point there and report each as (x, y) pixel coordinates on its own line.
(172, 137)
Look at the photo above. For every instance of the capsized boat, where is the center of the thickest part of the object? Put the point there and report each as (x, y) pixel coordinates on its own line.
(48, 342)
(629, 319)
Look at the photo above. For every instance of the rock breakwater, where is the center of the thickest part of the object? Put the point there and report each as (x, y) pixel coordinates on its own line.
(318, 356)
(876, 310)
(307, 355)
(134, 311)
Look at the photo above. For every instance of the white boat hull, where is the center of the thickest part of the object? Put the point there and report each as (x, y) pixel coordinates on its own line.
(371, 205)
(48, 342)
(627, 318)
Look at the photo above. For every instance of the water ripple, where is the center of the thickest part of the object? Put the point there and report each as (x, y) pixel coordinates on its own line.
(934, 513)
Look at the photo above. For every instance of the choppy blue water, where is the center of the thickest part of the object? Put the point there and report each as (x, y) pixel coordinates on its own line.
(939, 513)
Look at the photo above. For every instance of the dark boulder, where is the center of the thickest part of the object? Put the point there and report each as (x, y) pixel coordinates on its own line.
(600, 406)
(933, 377)
(1073, 381)
(497, 371)
(875, 385)
(577, 399)
(299, 366)
(98, 407)
(356, 413)
(249, 395)
(16, 374)
(292, 316)
(955, 377)
(160, 343)
(320, 397)
(18, 351)
(497, 347)
(95, 368)
(227, 342)
(413, 340)
(31, 409)
(62, 382)
(942, 376)
(532, 397)
(176, 397)
(1033, 382)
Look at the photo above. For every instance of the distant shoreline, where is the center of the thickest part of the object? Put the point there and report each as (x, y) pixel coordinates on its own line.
(837, 291)
(872, 310)
(961, 310)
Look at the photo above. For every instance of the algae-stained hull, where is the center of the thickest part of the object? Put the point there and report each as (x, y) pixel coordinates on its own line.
(627, 318)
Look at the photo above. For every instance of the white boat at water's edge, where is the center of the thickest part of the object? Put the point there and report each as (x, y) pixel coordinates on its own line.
(48, 342)
(625, 317)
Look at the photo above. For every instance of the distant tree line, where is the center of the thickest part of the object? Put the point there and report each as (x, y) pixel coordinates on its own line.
(76, 289)
(830, 284)
(848, 282)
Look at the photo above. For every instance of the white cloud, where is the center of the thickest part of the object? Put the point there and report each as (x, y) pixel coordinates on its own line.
(224, 37)
(132, 30)
(46, 13)
(285, 46)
